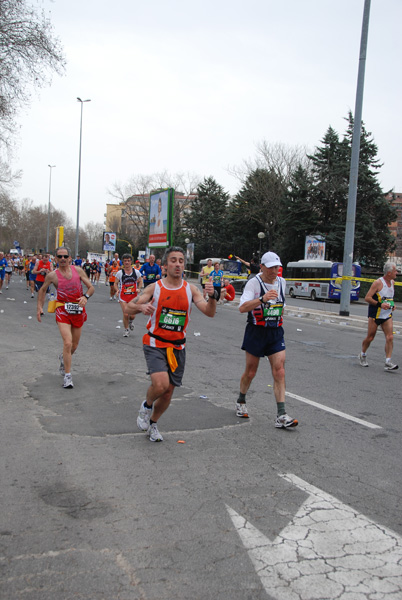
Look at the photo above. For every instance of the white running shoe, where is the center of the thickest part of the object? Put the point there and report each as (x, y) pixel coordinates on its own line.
(284, 421)
(61, 367)
(153, 433)
(389, 366)
(126, 333)
(241, 410)
(68, 381)
(363, 360)
(144, 417)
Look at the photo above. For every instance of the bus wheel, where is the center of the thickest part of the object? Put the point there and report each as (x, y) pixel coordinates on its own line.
(291, 293)
(313, 295)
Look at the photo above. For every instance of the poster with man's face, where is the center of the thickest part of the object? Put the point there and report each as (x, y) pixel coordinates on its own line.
(109, 241)
(160, 215)
(314, 248)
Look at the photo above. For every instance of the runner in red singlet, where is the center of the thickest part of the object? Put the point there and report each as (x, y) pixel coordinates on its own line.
(70, 306)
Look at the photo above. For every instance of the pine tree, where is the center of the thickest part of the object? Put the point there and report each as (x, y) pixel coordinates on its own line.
(205, 221)
(299, 216)
(373, 240)
(256, 208)
(330, 171)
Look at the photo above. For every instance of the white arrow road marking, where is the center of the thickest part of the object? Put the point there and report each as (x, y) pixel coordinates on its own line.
(333, 411)
(329, 550)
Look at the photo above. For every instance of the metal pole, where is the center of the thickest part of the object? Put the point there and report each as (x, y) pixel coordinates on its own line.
(77, 229)
(354, 169)
(48, 208)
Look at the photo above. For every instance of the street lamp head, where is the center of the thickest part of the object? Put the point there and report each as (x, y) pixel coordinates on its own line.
(79, 100)
(261, 235)
(186, 241)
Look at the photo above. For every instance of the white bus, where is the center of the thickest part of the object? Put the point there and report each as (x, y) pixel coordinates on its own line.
(302, 279)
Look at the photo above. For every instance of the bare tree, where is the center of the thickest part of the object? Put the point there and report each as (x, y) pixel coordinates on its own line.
(27, 223)
(8, 179)
(9, 221)
(277, 158)
(135, 196)
(29, 54)
(94, 234)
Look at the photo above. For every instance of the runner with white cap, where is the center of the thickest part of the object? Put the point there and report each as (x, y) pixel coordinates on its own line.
(264, 301)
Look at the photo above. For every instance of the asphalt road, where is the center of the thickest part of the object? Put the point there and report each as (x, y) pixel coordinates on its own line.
(92, 510)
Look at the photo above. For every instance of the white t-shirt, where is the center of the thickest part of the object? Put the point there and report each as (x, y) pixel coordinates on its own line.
(252, 289)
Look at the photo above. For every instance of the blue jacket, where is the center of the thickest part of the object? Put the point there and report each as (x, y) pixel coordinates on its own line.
(149, 272)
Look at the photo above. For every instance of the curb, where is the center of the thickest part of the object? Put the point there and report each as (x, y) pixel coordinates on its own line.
(328, 317)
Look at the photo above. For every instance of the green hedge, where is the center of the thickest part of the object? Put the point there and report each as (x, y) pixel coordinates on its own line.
(365, 286)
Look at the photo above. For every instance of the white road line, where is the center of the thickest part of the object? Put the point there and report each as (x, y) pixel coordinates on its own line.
(333, 411)
(328, 550)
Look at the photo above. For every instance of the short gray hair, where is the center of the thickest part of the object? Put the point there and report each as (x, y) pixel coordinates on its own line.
(388, 267)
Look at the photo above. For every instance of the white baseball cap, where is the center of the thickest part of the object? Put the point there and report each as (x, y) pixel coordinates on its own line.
(270, 259)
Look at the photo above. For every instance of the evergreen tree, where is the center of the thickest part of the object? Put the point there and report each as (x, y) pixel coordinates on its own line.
(330, 172)
(299, 216)
(373, 240)
(330, 166)
(256, 208)
(205, 221)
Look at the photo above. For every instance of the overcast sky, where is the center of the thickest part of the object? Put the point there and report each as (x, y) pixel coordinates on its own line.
(194, 85)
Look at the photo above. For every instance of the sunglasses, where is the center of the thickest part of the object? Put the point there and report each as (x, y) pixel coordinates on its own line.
(62, 255)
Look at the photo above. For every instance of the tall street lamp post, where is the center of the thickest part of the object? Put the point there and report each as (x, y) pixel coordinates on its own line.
(187, 241)
(261, 236)
(77, 229)
(48, 207)
(344, 308)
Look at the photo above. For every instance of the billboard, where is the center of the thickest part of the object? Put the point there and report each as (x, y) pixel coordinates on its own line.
(314, 248)
(59, 236)
(160, 218)
(109, 241)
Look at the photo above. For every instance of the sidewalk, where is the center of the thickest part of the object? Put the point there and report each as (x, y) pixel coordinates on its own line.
(327, 316)
(330, 317)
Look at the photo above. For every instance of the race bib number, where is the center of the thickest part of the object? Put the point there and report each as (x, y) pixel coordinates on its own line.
(172, 320)
(273, 311)
(130, 290)
(151, 276)
(72, 308)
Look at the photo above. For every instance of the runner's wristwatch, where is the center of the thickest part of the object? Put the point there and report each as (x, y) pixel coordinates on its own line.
(87, 297)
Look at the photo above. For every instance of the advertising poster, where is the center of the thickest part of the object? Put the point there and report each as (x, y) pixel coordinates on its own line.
(59, 236)
(190, 254)
(109, 241)
(314, 248)
(160, 218)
